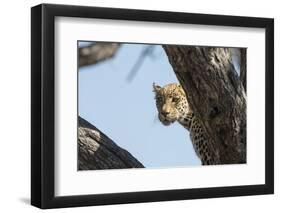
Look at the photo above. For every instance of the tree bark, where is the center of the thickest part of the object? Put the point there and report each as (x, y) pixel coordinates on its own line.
(97, 52)
(243, 67)
(97, 151)
(215, 94)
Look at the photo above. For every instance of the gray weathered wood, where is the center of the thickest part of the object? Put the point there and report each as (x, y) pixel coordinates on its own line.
(97, 52)
(97, 151)
(243, 67)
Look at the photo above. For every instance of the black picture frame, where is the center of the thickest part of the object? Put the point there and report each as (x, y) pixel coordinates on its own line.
(43, 102)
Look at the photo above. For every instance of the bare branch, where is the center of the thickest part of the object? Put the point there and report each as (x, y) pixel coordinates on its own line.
(147, 51)
(97, 52)
(97, 151)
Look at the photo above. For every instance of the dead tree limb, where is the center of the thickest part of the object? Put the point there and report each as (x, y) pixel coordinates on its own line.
(97, 151)
(97, 52)
(146, 52)
(215, 94)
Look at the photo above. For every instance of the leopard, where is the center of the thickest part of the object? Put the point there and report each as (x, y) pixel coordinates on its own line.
(172, 106)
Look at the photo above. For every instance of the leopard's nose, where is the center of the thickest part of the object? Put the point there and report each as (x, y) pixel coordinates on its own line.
(165, 110)
(165, 113)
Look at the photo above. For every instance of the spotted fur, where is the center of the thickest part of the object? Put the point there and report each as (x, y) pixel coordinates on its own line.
(172, 105)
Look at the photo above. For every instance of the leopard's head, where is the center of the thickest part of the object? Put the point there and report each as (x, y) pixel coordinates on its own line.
(171, 102)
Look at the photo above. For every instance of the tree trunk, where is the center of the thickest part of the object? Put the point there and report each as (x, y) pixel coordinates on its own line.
(215, 94)
(97, 151)
(243, 68)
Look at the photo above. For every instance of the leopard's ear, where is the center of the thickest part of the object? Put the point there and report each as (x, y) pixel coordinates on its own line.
(156, 88)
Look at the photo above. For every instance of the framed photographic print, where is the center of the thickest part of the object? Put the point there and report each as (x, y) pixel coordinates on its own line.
(140, 106)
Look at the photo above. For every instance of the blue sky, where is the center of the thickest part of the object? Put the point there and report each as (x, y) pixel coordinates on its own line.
(126, 112)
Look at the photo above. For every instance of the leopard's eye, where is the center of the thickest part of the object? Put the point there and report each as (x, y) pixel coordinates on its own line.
(158, 98)
(175, 99)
